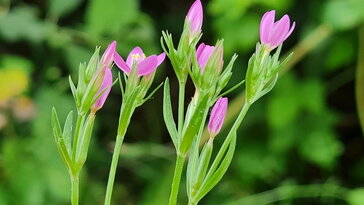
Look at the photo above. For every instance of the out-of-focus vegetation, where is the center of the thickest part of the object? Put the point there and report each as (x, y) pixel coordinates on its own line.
(301, 144)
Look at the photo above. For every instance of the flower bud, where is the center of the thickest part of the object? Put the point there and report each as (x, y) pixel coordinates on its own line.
(105, 88)
(272, 34)
(195, 18)
(203, 54)
(108, 56)
(217, 116)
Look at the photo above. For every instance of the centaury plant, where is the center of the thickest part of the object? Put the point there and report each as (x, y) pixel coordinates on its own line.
(204, 66)
(93, 87)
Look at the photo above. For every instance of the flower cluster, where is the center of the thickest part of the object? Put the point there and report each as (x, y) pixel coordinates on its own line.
(204, 65)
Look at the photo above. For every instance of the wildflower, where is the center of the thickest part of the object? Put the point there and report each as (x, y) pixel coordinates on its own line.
(195, 17)
(272, 34)
(145, 65)
(217, 116)
(105, 88)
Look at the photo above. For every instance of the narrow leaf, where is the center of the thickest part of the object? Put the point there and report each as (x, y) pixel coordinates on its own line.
(62, 149)
(168, 115)
(67, 131)
(210, 183)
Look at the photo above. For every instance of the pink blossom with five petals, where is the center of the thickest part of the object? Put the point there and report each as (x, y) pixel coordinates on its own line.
(145, 65)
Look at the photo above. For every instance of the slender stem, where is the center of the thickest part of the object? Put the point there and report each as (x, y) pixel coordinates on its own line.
(126, 112)
(74, 190)
(181, 101)
(114, 164)
(176, 179)
(238, 120)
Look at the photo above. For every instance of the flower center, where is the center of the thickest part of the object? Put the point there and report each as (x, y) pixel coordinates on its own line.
(137, 57)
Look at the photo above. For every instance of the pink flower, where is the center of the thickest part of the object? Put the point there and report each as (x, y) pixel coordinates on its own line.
(195, 17)
(108, 56)
(107, 83)
(145, 65)
(203, 54)
(217, 116)
(272, 34)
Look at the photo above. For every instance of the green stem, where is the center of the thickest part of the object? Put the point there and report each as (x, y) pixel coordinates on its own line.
(126, 112)
(176, 179)
(181, 101)
(74, 190)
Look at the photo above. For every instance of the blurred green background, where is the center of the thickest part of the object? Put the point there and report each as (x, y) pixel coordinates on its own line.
(301, 144)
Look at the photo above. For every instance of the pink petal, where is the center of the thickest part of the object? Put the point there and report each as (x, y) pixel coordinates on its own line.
(161, 58)
(119, 61)
(136, 51)
(148, 65)
(266, 25)
(279, 32)
(290, 31)
(195, 16)
(204, 57)
(106, 85)
(108, 55)
(217, 116)
(200, 48)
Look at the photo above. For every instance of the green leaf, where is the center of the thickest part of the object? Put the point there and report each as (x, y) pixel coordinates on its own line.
(61, 7)
(67, 131)
(210, 182)
(321, 147)
(109, 16)
(356, 197)
(192, 166)
(342, 14)
(84, 143)
(62, 149)
(21, 23)
(168, 115)
(203, 164)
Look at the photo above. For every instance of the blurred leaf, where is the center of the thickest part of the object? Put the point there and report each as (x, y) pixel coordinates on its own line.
(76, 54)
(342, 52)
(342, 14)
(284, 105)
(356, 197)
(109, 16)
(62, 7)
(321, 148)
(312, 95)
(22, 23)
(240, 33)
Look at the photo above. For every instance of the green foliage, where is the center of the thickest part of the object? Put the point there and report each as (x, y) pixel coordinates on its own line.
(62, 7)
(304, 132)
(356, 197)
(22, 24)
(109, 16)
(343, 14)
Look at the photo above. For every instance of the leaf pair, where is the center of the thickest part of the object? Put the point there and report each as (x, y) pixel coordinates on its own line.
(200, 178)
